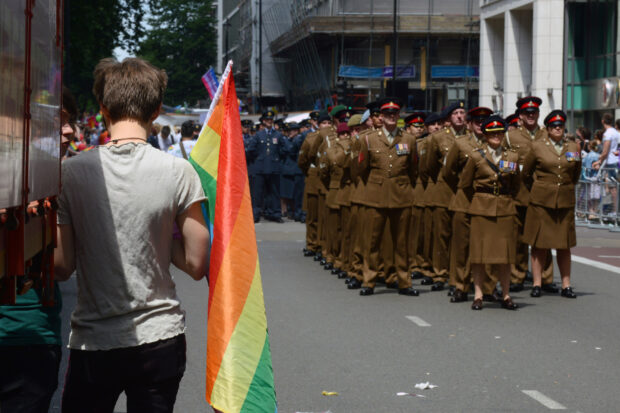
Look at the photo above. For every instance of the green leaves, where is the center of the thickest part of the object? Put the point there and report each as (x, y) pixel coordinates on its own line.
(176, 35)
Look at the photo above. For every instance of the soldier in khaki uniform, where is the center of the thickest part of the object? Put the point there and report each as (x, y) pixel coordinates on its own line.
(551, 169)
(387, 163)
(337, 166)
(521, 140)
(415, 126)
(433, 123)
(457, 157)
(307, 163)
(491, 180)
(356, 224)
(330, 233)
(359, 208)
(437, 149)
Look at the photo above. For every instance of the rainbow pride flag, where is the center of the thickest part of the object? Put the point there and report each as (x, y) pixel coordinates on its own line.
(239, 372)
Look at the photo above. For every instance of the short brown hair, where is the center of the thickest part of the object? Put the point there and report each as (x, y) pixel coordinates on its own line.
(131, 89)
(608, 119)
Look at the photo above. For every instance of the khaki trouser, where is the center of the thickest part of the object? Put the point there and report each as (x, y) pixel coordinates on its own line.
(333, 234)
(416, 240)
(427, 250)
(460, 272)
(397, 219)
(312, 221)
(442, 232)
(343, 260)
(358, 231)
(321, 224)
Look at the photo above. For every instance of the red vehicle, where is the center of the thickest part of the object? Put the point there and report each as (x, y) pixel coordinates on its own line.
(30, 104)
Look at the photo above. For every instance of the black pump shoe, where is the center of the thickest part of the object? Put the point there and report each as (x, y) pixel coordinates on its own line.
(568, 292)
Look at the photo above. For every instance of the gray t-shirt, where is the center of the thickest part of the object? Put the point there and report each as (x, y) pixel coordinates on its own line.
(121, 202)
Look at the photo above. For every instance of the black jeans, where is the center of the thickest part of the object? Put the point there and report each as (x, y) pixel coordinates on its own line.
(28, 377)
(148, 374)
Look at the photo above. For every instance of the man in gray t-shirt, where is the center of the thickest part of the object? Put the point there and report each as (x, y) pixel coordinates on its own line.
(117, 209)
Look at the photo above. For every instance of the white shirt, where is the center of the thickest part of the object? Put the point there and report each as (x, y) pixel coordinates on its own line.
(165, 143)
(121, 202)
(612, 135)
(175, 149)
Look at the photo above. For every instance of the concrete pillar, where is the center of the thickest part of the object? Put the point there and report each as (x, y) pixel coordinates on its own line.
(492, 62)
(517, 57)
(548, 53)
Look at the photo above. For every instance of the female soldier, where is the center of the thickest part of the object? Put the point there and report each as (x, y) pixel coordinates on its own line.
(491, 180)
(552, 169)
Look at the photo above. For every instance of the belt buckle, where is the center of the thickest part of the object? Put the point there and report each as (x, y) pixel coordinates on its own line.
(496, 190)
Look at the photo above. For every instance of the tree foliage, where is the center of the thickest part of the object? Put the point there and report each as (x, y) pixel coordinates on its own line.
(179, 37)
(91, 33)
(182, 40)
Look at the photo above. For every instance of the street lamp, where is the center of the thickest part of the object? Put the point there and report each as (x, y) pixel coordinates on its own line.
(226, 25)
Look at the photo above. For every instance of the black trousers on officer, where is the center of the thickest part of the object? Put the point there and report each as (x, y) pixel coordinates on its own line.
(267, 194)
(298, 196)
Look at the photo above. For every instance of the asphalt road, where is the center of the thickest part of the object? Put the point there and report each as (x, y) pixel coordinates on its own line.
(553, 353)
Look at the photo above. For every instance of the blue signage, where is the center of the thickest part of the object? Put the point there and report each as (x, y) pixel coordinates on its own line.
(454, 72)
(358, 72)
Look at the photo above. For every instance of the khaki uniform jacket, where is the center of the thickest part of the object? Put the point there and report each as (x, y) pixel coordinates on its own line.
(439, 143)
(389, 170)
(358, 193)
(419, 190)
(327, 137)
(552, 177)
(335, 168)
(478, 175)
(521, 140)
(457, 158)
(307, 163)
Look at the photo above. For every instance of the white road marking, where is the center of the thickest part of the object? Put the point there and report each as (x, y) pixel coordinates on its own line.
(596, 264)
(418, 321)
(609, 256)
(544, 400)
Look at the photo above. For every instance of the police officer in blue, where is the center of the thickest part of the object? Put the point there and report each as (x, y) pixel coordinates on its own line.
(268, 164)
(292, 182)
(250, 154)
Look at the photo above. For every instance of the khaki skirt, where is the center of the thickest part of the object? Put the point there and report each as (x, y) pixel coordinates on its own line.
(549, 227)
(492, 240)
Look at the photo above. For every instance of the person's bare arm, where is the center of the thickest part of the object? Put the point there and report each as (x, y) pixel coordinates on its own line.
(191, 253)
(64, 254)
(605, 153)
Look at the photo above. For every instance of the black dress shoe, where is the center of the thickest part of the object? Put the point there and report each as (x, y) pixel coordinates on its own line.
(515, 288)
(438, 286)
(335, 271)
(477, 304)
(536, 292)
(342, 274)
(323, 261)
(367, 291)
(318, 256)
(550, 288)
(458, 297)
(348, 280)
(508, 304)
(278, 220)
(328, 266)
(302, 220)
(426, 281)
(416, 275)
(568, 292)
(354, 284)
(408, 291)
(256, 219)
(451, 291)
(309, 253)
